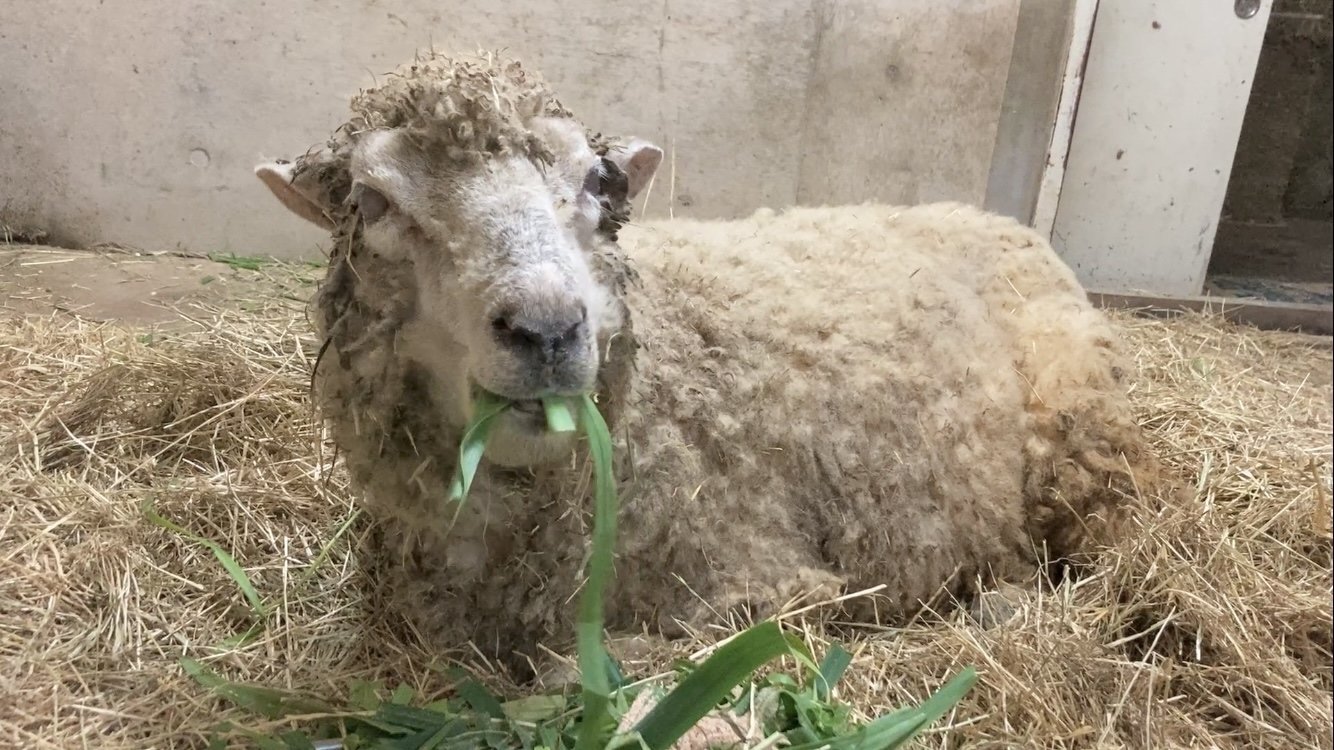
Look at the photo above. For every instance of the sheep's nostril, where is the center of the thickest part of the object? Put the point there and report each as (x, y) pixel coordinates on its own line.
(572, 333)
(531, 337)
(547, 337)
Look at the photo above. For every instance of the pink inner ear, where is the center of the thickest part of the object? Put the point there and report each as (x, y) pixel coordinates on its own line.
(642, 164)
(279, 181)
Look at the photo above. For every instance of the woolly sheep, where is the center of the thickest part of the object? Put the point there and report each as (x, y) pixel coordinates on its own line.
(805, 402)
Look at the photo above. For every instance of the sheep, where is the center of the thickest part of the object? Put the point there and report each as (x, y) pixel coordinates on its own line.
(806, 402)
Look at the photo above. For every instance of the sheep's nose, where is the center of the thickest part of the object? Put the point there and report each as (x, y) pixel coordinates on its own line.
(547, 336)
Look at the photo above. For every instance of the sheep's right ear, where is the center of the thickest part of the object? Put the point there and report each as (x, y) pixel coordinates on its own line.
(297, 186)
(639, 159)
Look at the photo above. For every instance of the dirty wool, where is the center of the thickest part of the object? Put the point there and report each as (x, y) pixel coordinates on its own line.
(915, 399)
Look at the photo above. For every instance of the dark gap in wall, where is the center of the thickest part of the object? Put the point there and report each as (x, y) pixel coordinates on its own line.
(1275, 238)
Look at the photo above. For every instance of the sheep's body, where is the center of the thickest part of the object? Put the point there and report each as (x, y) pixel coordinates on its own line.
(822, 398)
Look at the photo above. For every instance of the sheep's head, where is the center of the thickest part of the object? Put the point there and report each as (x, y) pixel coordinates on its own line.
(476, 180)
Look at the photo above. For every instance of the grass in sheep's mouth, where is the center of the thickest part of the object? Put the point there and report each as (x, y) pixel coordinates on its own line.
(487, 408)
(706, 701)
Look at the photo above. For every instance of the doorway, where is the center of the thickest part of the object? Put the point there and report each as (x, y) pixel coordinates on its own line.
(1275, 238)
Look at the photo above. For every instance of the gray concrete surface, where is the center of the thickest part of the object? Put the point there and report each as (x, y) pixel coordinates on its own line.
(1030, 108)
(139, 123)
(116, 285)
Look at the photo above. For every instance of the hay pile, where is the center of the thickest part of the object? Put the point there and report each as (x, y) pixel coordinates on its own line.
(1210, 627)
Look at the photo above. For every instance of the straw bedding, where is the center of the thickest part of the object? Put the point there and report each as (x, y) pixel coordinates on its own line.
(1209, 627)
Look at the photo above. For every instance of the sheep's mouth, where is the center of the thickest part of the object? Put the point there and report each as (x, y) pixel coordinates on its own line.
(482, 394)
(528, 407)
(530, 413)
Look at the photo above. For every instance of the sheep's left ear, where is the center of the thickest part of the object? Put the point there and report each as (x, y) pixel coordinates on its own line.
(640, 160)
(307, 187)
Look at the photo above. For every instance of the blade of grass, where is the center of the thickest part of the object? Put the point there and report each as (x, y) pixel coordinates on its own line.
(480, 699)
(428, 739)
(403, 694)
(487, 408)
(710, 682)
(592, 654)
(884, 738)
(410, 717)
(267, 702)
(833, 666)
(327, 547)
(235, 261)
(535, 708)
(234, 569)
(935, 707)
(559, 416)
(244, 637)
(894, 729)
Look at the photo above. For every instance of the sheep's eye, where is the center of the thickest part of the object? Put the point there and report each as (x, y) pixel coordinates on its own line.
(607, 179)
(614, 182)
(370, 203)
(593, 181)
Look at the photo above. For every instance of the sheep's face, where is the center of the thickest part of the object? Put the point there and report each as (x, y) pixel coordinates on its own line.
(500, 251)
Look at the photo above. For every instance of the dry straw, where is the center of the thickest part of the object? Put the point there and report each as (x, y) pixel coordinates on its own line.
(1209, 626)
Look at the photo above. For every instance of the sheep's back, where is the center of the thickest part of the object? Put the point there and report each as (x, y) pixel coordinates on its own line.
(883, 316)
(837, 373)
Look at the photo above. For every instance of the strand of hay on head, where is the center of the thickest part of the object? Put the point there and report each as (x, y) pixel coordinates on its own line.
(1208, 627)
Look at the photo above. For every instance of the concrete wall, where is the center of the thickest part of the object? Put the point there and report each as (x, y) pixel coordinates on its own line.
(1047, 53)
(139, 123)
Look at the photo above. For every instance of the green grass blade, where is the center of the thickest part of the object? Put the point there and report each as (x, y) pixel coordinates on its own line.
(615, 676)
(535, 709)
(262, 742)
(894, 729)
(833, 666)
(592, 654)
(882, 734)
(267, 702)
(403, 694)
(487, 408)
(936, 706)
(410, 717)
(885, 737)
(327, 547)
(234, 569)
(709, 683)
(428, 738)
(239, 262)
(480, 699)
(244, 637)
(559, 416)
